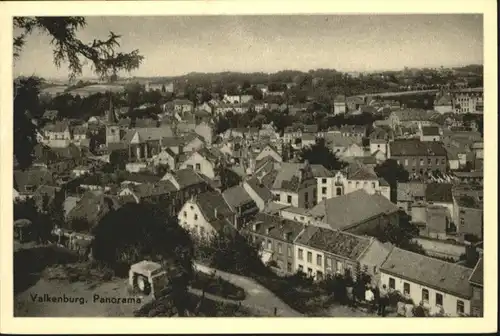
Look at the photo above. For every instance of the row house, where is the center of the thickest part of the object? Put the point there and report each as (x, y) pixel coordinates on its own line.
(276, 236)
(441, 287)
(411, 117)
(354, 131)
(205, 161)
(419, 157)
(322, 253)
(237, 99)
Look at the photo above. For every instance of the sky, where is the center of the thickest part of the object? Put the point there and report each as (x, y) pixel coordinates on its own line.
(176, 45)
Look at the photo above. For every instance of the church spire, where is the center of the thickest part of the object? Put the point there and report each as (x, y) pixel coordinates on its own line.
(111, 111)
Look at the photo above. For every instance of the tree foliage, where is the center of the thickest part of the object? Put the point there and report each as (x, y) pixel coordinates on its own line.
(393, 173)
(106, 61)
(67, 48)
(136, 232)
(320, 154)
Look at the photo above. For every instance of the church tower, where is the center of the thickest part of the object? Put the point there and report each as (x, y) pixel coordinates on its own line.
(112, 128)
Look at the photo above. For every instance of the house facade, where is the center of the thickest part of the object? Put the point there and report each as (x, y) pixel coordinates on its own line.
(419, 157)
(439, 285)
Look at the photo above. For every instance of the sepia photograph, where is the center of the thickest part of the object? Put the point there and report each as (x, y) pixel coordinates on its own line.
(260, 165)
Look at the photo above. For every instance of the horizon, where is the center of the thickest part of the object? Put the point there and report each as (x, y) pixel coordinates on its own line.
(272, 43)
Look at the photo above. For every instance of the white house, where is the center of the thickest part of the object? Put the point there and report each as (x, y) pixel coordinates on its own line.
(439, 285)
(271, 151)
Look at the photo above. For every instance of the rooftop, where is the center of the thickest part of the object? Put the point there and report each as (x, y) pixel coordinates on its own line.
(275, 227)
(348, 210)
(435, 273)
(416, 148)
(333, 241)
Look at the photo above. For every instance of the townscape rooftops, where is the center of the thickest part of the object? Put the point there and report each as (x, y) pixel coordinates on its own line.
(260, 189)
(439, 192)
(236, 196)
(276, 227)
(430, 131)
(345, 211)
(435, 273)
(407, 191)
(213, 206)
(413, 147)
(414, 115)
(32, 177)
(159, 188)
(333, 241)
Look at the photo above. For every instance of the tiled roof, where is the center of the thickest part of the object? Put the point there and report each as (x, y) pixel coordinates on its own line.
(345, 211)
(33, 177)
(435, 273)
(288, 177)
(333, 241)
(407, 191)
(153, 189)
(187, 177)
(260, 189)
(414, 115)
(362, 172)
(211, 202)
(92, 207)
(275, 227)
(416, 148)
(337, 140)
(141, 178)
(268, 179)
(236, 196)
(59, 127)
(430, 131)
(477, 274)
(439, 192)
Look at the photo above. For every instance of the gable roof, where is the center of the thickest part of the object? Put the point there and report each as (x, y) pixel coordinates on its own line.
(416, 148)
(92, 207)
(444, 276)
(275, 227)
(34, 177)
(477, 275)
(333, 241)
(149, 133)
(213, 206)
(361, 172)
(351, 209)
(439, 192)
(414, 115)
(430, 131)
(153, 189)
(288, 177)
(236, 196)
(187, 177)
(408, 190)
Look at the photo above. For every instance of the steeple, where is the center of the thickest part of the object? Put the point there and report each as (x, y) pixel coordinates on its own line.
(111, 112)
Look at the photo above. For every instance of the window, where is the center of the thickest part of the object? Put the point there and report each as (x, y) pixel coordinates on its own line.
(429, 161)
(339, 267)
(443, 161)
(309, 257)
(373, 185)
(421, 161)
(319, 276)
(425, 295)
(202, 230)
(323, 190)
(306, 197)
(269, 244)
(289, 251)
(392, 283)
(319, 260)
(439, 299)
(323, 181)
(406, 162)
(357, 184)
(198, 166)
(195, 217)
(309, 272)
(301, 254)
(460, 307)
(184, 214)
(437, 161)
(328, 262)
(462, 221)
(301, 268)
(280, 248)
(406, 288)
(289, 199)
(289, 267)
(196, 228)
